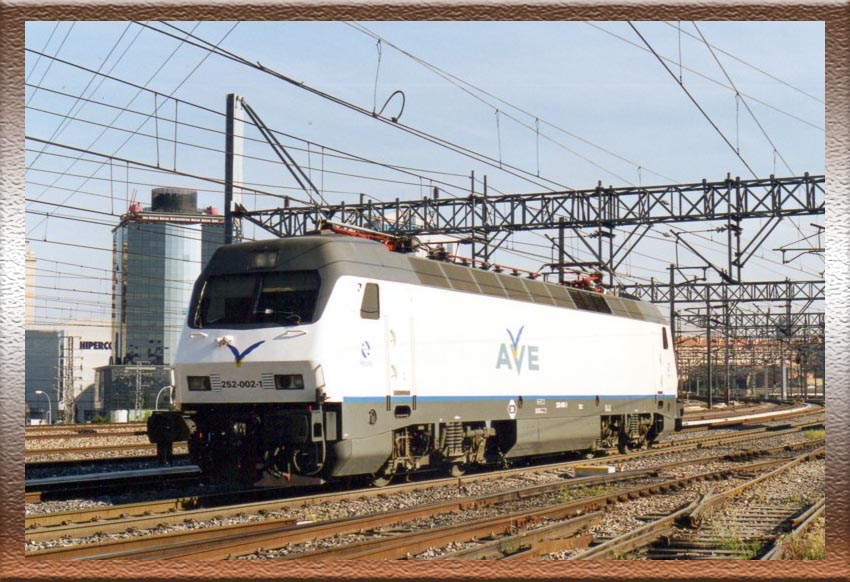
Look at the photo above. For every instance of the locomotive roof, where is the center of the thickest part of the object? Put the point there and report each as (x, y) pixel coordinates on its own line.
(340, 255)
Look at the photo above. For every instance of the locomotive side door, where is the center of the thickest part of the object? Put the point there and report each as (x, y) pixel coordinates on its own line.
(399, 350)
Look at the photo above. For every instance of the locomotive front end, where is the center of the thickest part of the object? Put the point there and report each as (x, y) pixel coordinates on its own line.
(249, 395)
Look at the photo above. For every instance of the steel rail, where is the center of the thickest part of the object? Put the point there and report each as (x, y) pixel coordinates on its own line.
(141, 521)
(105, 462)
(799, 527)
(404, 545)
(144, 510)
(101, 483)
(690, 515)
(75, 428)
(548, 539)
(715, 413)
(277, 531)
(146, 447)
(666, 448)
(767, 416)
(138, 516)
(531, 543)
(82, 434)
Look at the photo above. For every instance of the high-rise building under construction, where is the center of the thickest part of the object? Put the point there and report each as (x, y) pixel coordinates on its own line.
(158, 253)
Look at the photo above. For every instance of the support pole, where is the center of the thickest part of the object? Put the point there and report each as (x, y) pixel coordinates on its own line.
(708, 347)
(472, 213)
(726, 343)
(485, 224)
(673, 317)
(561, 250)
(233, 149)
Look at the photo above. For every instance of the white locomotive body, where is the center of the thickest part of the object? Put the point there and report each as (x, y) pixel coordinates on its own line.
(329, 356)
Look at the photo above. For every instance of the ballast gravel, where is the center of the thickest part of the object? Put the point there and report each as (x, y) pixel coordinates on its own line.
(621, 519)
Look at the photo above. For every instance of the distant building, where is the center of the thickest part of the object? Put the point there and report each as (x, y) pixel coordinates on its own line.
(158, 253)
(85, 369)
(61, 362)
(42, 350)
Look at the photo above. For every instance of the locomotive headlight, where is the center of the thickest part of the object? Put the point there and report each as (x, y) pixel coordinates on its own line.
(198, 382)
(263, 259)
(289, 382)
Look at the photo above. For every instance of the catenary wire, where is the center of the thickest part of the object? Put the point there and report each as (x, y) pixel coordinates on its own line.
(442, 142)
(200, 190)
(325, 95)
(341, 154)
(50, 64)
(182, 82)
(334, 153)
(220, 151)
(746, 103)
(694, 101)
(755, 68)
(471, 89)
(707, 78)
(65, 122)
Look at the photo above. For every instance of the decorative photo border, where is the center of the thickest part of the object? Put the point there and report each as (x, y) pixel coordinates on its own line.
(14, 14)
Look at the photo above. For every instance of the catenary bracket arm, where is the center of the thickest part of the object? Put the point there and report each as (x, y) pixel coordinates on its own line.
(723, 274)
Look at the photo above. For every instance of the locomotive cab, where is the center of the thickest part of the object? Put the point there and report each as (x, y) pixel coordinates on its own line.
(249, 392)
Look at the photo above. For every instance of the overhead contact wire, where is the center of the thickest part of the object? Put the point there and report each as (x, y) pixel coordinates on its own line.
(459, 149)
(693, 100)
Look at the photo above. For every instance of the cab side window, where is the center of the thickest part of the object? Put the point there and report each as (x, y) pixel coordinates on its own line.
(664, 341)
(370, 307)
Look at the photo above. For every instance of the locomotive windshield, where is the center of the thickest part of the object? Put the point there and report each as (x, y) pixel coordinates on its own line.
(276, 298)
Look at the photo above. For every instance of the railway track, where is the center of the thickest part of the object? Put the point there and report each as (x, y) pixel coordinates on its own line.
(86, 434)
(748, 418)
(83, 429)
(683, 535)
(38, 490)
(397, 534)
(799, 527)
(39, 527)
(741, 409)
(516, 535)
(35, 457)
(680, 445)
(49, 468)
(45, 456)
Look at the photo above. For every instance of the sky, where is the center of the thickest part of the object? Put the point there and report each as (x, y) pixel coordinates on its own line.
(568, 104)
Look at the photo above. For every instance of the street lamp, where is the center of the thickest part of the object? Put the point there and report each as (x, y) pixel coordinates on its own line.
(170, 396)
(49, 406)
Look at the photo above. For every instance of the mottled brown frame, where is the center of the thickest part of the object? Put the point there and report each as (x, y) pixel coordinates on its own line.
(13, 14)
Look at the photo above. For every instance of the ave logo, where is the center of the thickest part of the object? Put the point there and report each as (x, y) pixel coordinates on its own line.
(514, 356)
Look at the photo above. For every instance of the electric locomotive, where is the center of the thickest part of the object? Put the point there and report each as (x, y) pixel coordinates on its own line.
(326, 356)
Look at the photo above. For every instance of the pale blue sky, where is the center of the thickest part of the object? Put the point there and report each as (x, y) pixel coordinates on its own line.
(571, 75)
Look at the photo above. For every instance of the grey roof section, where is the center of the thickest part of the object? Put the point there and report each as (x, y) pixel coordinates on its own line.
(336, 255)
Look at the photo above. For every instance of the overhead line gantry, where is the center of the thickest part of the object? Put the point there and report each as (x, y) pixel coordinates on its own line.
(487, 221)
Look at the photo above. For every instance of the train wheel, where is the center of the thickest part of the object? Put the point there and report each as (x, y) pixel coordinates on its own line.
(383, 477)
(457, 470)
